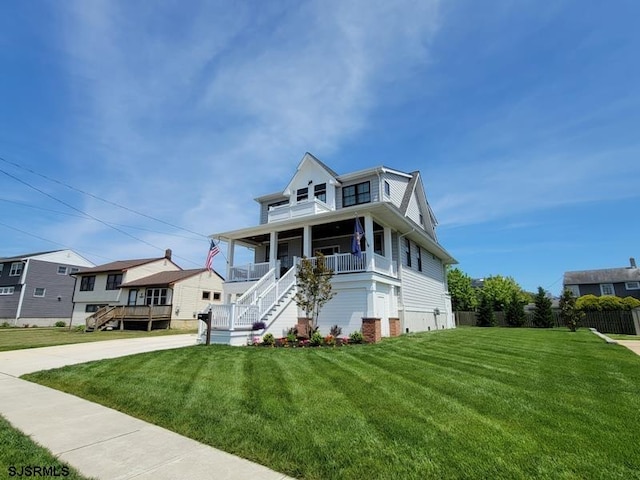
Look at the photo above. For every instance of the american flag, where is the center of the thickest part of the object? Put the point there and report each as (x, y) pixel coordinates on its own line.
(213, 251)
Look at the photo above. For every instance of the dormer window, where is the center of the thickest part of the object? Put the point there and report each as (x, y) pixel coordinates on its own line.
(320, 192)
(356, 194)
(302, 194)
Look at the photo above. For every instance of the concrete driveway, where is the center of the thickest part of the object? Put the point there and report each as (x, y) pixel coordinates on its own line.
(101, 442)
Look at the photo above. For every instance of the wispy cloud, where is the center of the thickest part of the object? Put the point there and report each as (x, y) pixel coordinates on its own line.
(195, 114)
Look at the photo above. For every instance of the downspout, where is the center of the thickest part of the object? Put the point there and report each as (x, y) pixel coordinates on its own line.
(23, 285)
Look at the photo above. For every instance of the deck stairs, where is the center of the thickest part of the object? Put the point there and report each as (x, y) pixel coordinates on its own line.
(263, 302)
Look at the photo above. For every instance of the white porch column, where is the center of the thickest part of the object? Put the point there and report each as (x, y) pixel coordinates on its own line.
(273, 249)
(371, 300)
(368, 235)
(306, 241)
(230, 252)
(387, 243)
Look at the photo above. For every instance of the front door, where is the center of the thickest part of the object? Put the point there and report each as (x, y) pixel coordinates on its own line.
(133, 295)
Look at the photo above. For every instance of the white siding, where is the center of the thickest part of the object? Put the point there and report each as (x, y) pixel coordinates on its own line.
(397, 186)
(414, 210)
(420, 292)
(65, 257)
(346, 310)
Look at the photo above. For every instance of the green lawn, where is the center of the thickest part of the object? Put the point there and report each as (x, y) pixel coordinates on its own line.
(22, 458)
(19, 338)
(492, 403)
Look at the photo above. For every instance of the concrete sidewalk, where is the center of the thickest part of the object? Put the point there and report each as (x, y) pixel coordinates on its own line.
(633, 345)
(101, 442)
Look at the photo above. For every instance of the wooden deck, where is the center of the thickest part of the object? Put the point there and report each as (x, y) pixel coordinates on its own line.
(123, 314)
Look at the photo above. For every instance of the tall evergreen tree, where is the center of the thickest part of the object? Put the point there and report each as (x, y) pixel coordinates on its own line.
(486, 315)
(514, 312)
(542, 316)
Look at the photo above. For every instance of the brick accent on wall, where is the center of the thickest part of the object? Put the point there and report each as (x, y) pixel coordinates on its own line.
(371, 330)
(394, 327)
(303, 327)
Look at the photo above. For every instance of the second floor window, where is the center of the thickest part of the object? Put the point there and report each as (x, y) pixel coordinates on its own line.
(320, 192)
(87, 283)
(356, 194)
(419, 259)
(302, 194)
(114, 280)
(407, 250)
(16, 269)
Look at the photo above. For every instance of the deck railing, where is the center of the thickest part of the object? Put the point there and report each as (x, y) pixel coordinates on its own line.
(249, 272)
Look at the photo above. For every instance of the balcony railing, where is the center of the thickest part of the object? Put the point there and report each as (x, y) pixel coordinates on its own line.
(301, 209)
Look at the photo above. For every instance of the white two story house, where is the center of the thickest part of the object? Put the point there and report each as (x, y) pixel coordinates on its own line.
(399, 277)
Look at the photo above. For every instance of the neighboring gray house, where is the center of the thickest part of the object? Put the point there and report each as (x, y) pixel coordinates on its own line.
(621, 282)
(37, 289)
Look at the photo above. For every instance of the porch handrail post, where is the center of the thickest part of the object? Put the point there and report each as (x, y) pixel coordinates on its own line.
(232, 317)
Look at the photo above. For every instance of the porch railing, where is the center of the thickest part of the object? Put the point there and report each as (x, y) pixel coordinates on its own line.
(249, 272)
(385, 265)
(349, 263)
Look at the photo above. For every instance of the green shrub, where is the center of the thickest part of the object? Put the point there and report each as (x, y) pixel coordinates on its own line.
(569, 313)
(356, 337)
(79, 328)
(269, 339)
(631, 303)
(60, 323)
(609, 302)
(588, 303)
(5, 325)
(316, 339)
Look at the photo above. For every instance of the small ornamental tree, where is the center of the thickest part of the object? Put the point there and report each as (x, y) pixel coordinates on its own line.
(569, 313)
(486, 316)
(542, 316)
(514, 312)
(314, 288)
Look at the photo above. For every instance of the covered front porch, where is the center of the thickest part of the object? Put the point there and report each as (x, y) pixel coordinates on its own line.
(280, 244)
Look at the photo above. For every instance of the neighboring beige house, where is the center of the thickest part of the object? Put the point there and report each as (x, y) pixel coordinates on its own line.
(143, 293)
(186, 292)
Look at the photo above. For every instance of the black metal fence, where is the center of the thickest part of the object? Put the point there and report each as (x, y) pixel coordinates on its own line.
(618, 321)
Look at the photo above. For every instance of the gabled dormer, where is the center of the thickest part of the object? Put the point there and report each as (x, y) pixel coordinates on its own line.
(312, 190)
(313, 180)
(415, 206)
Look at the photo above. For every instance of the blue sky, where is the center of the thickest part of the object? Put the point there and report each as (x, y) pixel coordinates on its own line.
(522, 117)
